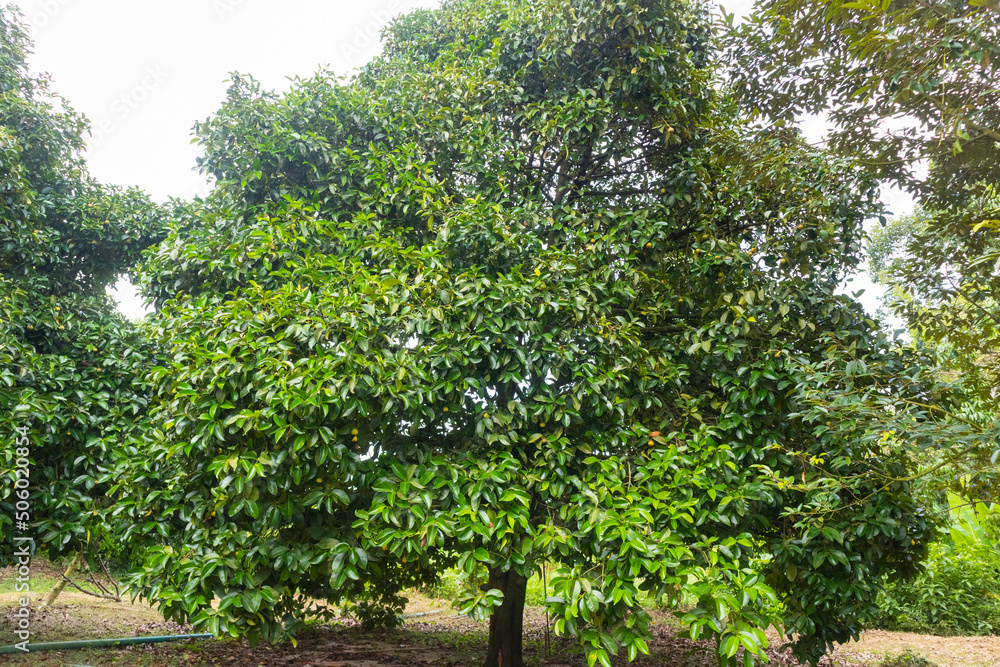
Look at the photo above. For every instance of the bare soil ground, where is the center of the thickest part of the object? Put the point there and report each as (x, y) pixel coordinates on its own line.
(441, 638)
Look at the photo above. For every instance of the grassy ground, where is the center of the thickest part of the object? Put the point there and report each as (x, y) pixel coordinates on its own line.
(441, 638)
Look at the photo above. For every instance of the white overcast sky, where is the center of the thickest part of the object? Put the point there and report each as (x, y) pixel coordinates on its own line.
(145, 71)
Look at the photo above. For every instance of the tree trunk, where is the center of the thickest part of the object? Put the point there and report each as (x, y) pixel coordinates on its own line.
(54, 593)
(507, 620)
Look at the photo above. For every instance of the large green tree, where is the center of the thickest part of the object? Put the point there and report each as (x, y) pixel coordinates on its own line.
(68, 362)
(947, 287)
(523, 291)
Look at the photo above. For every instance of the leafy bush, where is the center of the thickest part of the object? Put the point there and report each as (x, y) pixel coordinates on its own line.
(449, 585)
(123, 556)
(956, 594)
(453, 581)
(908, 659)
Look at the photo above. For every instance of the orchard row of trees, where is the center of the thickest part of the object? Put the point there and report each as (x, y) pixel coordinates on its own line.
(549, 281)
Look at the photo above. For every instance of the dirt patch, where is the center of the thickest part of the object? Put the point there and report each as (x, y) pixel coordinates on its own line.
(79, 616)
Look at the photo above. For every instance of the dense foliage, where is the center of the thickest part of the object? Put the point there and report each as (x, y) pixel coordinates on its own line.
(68, 362)
(526, 290)
(910, 88)
(956, 592)
(946, 288)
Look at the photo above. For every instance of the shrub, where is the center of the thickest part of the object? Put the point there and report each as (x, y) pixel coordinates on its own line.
(956, 594)
(120, 555)
(448, 586)
(452, 582)
(908, 659)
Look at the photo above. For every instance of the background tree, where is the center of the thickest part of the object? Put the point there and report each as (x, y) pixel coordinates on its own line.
(68, 362)
(952, 305)
(910, 87)
(929, 66)
(524, 291)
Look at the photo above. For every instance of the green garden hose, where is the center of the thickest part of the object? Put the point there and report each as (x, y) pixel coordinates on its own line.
(99, 643)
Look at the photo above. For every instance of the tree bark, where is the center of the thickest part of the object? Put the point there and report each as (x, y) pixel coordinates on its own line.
(54, 593)
(507, 620)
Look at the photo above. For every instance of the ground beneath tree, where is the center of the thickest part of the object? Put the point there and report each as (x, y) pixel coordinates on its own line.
(441, 638)
(447, 642)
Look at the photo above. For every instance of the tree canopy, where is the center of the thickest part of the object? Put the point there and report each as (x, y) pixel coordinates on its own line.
(525, 290)
(910, 87)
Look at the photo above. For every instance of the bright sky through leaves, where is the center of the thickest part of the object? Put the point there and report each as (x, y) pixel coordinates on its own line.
(144, 73)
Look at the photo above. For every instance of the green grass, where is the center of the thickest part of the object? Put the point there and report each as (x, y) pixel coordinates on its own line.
(39, 583)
